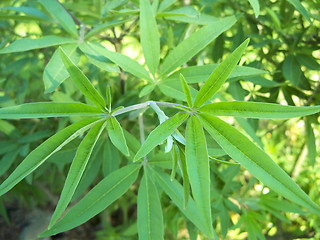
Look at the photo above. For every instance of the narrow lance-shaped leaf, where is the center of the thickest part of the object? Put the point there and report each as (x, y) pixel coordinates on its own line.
(150, 40)
(256, 7)
(174, 162)
(194, 44)
(257, 110)
(186, 90)
(101, 196)
(219, 75)
(81, 81)
(26, 44)
(48, 109)
(44, 151)
(109, 98)
(123, 61)
(77, 168)
(311, 142)
(116, 135)
(241, 149)
(198, 167)
(61, 15)
(186, 183)
(175, 191)
(150, 219)
(297, 4)
(160, 133)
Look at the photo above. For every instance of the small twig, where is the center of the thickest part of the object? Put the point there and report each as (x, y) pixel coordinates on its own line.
(141, 129)
(74, 18)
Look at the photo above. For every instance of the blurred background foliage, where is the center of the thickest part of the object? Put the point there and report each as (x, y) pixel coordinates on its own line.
(285, 42)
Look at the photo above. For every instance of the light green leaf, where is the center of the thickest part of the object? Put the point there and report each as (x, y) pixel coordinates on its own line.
(186, 182)
(82, 82)
(160, 133)
(194, 44)
(150, 219)
(101, 27)
(77, 168)
(291, 70)
(111, 158)
(175, 191)
(26, 44)
(123, 61)
(219, 75)
(257, 110)
(108, 98)
(301, 9)
(98, 59)
(196, 74)
(48, 109)
(28, 10)
(101, 196)
(241, 149)
(174, 162)
(311, 142)
(116, 135)
(58, 13)
(55, 73)
(198, 168)
(149, 36)
(186, 90)
(44, 151)
(174, 89)
(202, 19)
(256, 7)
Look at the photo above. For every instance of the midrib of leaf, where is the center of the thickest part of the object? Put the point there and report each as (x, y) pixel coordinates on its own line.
(103, 195)
(279, 181)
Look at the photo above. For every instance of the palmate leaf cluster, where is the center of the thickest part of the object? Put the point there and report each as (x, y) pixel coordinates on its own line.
(193, 97)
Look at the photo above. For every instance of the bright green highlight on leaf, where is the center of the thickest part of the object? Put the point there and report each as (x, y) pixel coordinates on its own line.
(219, 75)
(48, 109)
(44, 151)
(149, 35)
(101, 196)
(77, 168)
(116, 135)
(257, 110)
(150, 219)
(160, 133)
(241, 149)
(82, 82)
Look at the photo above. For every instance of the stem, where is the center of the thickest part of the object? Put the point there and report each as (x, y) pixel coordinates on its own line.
(141, 129)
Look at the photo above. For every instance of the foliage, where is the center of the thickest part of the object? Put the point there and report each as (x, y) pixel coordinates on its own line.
(145, 60)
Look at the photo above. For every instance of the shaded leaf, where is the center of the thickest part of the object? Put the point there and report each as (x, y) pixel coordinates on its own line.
(116, 135)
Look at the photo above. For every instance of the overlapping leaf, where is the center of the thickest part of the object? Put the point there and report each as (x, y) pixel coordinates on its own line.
(116, 135)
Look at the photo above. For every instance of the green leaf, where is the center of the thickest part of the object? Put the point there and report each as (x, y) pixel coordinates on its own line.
(98, 59)
(116, 135)
(174, 162)
(241, 149)
(82, 82)
(257, 110)
(149, 36)
(108, 98)
(48, 109)
(26, 44)
(55, 73)
(60, 14)
(219, 75)
(186, 182)
(198, 168)
(28, 10)
(186, 90)
(175, 191)
(256, 7)
(301, 9)
(311, 142)
(44, 151)
(111, 158)
(194, 44)
(160, 133)
(196, 74)
(150, 219)
(308, 61)
(291, 70)
(101, 196)
(123, 61)
(77, 168)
